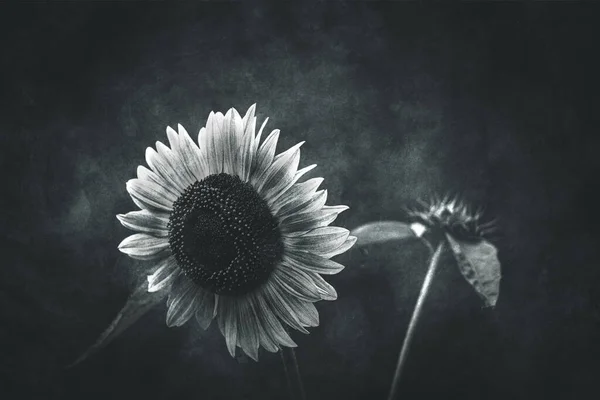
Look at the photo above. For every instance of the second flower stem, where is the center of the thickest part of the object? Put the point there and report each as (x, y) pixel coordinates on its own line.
(433, 263)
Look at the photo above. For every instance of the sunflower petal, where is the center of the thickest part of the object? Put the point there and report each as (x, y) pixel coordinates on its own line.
(281, 173)
(182, 301)
(282, 308)
(319, 241)
(312, 263)
(265, 339)
(213, 141)
(248, 329)
(326, 291)
(246, 147)
(161, 166)
(296, 282)
(295, 197)
(232, 134)
(271, 325)
(307, 313)
(146, 221)
(145, 174)
(257, 141)
(173, 139)
(203, 146)
(164, 275)
(316, 203)
(150, 195)
(143, 247)
(274, 198)
(264, 158)
(177, 164)
(227, 319)
(205, 311)
(310, 220)
(190, 154)
(350, 241)
(302, 311)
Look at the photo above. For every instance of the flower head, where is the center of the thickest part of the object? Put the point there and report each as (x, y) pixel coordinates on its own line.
(453, 216)
(230, 233)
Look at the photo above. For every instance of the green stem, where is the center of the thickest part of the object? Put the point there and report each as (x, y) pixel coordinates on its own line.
(292, 373)
(433, 263)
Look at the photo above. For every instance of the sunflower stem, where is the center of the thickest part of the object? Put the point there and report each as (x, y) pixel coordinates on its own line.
(433, 263)
(292, 374)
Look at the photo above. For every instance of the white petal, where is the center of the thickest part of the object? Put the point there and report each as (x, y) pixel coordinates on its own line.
(146, 221)
(246, 147)
(302, 311)
(205, 311)
(189, 153)
(249, 120)
(163, 167)
(232, 135)
(310, 220)
(326, 291)
(227, 319)
(257, 142)
(214, 142)
(296, 282)
(319, 241)
(176, 162)
(144, 247)
(173, 139)
(281, 173)
(204, 150)
(312, 263)
(164, 276)
(315, 203)
(264, 158)
(274, 199)
(306, 312)
(281, 307)
(145, 174)
(295, 197)
(248, 328)
(150, 195)
(342, 249)
(272, 328)
(182, 301)
(265, 339)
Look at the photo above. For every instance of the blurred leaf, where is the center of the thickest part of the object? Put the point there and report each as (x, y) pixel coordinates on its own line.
(138, 304)
(382, 231)
(479, 264)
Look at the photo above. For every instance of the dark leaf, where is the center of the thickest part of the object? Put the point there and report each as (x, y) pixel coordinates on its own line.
(479, 264)
(382, 231)
(139, 303)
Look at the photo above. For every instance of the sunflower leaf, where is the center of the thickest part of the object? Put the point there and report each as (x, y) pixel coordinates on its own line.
(138, 304)
(479, 264)
(382, 231)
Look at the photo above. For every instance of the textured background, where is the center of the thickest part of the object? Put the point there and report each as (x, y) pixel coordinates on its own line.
(496, 102)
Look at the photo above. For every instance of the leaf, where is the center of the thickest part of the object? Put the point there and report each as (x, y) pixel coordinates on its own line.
(479, 264)
(382, 231)
(138, 304)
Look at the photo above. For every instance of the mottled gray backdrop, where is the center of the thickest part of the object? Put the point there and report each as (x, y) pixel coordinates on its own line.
(496, 102)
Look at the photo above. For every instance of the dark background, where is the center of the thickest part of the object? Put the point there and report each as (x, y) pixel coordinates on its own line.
(497, 102)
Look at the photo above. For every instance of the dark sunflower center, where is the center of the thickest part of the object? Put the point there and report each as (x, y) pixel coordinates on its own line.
(223, 235)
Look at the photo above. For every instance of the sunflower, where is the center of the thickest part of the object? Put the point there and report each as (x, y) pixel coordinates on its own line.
(230, 234)
(452, 216)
